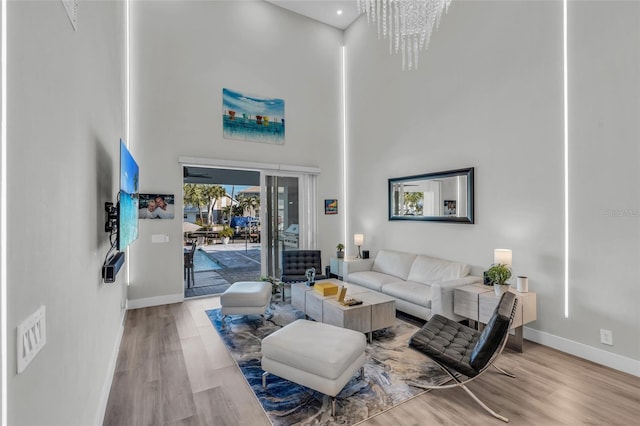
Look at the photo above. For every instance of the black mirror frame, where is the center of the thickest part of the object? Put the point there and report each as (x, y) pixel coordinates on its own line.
(468, 172)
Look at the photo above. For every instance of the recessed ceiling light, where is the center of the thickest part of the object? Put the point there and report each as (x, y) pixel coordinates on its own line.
(339, 12)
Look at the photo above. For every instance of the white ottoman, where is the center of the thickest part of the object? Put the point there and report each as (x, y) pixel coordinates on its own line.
(246, 298)
(319, 356)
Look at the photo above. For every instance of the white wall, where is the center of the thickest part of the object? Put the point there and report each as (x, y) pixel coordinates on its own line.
(65, 114)
(489, 94)
(604, 163)
(184, 53)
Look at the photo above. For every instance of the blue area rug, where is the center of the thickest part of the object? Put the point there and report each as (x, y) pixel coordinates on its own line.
(393, 372)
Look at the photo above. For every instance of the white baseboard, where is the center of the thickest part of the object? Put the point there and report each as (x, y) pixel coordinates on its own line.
(155, 301)
(599, 356)
(111, 370)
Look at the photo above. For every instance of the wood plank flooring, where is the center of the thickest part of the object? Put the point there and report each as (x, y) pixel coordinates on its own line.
(173, 369)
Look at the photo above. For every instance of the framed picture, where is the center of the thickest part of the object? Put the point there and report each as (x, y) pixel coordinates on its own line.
(252, 117)
(330, 206)
(449, 207)
(156, 206)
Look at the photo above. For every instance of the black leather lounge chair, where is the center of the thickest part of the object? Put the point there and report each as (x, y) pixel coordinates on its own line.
(296, 262)
(460, 349)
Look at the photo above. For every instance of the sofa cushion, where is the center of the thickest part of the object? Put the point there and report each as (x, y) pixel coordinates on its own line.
(411, 291)
(393, 263)
(426, 269)
(371, 280)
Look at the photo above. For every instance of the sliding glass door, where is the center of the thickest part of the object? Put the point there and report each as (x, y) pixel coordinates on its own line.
(287, 207)
(289, 211)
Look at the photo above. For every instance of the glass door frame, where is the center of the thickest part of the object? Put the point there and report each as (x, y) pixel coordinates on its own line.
(308, 196)
(307, 214)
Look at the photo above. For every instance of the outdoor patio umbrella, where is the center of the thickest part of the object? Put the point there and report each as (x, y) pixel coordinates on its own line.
(190, 227)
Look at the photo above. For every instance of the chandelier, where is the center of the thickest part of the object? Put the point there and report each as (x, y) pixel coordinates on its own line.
(408, 23)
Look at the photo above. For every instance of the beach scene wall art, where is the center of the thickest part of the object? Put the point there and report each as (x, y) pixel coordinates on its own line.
(331, 206)
(252, 117)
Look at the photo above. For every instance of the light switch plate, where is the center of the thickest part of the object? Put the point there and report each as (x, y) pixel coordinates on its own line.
(159, 238)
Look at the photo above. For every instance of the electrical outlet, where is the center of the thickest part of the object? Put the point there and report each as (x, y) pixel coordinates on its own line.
(32, 336)
(606, 337)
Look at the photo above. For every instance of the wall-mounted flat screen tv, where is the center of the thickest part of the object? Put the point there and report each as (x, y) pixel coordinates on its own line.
(129, 198)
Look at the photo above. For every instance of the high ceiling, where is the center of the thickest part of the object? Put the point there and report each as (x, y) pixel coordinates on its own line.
(325, 11)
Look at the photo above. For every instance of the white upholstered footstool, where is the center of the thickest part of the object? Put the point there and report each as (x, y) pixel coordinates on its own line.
(246, 298)
(319, 356)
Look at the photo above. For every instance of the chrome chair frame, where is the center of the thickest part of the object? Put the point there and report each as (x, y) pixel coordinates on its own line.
(462, 383)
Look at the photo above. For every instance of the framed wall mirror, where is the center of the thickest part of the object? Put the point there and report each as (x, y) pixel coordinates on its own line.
(443, 197)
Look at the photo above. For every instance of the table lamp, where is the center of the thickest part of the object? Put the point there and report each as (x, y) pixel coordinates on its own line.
(502, 257)
(358, 240)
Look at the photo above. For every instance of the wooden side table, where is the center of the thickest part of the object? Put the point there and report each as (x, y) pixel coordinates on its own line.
(466, 301)
(477, 302)
(336, 266)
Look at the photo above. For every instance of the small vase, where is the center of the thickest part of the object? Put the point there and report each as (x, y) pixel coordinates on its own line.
(340, 254)
(499, 289)
(523, 284)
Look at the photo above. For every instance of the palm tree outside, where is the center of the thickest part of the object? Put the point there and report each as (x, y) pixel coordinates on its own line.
(238, 261)
(212, 193)
(192, 196)
(201, 195)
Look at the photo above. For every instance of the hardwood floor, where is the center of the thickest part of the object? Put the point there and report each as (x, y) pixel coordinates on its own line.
(173, 369)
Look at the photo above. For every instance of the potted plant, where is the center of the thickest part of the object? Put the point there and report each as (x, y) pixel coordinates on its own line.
(225, 234)
(275, 283)
(340, 252)
(498, 274)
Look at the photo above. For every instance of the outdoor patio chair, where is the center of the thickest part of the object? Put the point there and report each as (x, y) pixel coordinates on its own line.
(460, 350)
(189, 273)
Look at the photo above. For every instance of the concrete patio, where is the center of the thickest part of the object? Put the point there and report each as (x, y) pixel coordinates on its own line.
(239, 261)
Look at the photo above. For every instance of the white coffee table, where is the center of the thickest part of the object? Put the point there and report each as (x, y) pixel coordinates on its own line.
(376, 312)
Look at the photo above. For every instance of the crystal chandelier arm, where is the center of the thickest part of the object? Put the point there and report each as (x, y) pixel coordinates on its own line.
(408, 23)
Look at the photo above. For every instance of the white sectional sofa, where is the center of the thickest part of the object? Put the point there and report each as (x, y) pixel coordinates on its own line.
(422, 285)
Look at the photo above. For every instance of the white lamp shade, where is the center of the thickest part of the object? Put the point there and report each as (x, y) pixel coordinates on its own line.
(358, 239)
(502, 257)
